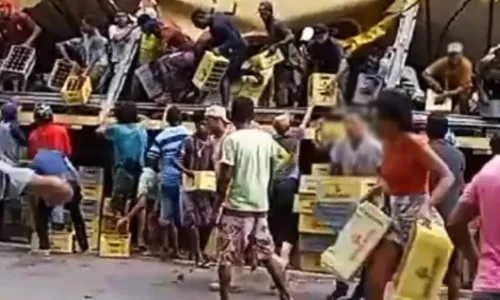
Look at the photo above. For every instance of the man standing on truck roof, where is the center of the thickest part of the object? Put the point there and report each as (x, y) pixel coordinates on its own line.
(325, 52)
(287, 75)
(16, 28)
(227, 41)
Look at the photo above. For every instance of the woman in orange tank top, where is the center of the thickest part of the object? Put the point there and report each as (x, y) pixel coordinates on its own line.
(406, 164)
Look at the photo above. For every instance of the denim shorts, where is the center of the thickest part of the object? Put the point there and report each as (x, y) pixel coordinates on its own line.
(171, 208)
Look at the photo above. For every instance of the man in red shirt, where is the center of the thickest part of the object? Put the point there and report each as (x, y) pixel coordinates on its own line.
(47, 134)
(171, 35)
(16, 28)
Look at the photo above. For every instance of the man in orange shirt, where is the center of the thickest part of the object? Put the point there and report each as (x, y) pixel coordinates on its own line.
(451, 77)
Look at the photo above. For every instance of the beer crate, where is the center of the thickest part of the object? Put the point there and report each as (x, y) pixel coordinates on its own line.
(322, 89)
(264, 60)
(304, 204)
(76, 90)
(425, 262)
(336, 214)
(92, 191)
(19, 62)
(114, 245)
(330, 131)
(337, 187)
(210, 71)
(251, 89)
(202, 181)
(356, 241)
(320, 169)
(315, 243)
(91, 175)
(90, 209)
(311, 262)
(60, 71)
(431, 106)
(309, 224)
(61, 242)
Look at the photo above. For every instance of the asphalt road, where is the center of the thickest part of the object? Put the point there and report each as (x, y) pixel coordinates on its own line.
(76, 277)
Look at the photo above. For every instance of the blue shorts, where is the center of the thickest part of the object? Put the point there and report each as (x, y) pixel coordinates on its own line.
(171, 208)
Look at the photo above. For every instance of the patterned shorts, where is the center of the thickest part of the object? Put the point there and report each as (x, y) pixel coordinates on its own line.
(404, 214)
(197, 208)
(244, 236)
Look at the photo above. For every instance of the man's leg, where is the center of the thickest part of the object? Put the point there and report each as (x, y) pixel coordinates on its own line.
(43, 214)
(76, 216)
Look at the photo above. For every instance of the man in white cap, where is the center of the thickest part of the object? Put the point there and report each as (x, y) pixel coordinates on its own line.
(219, 126)
(451, 77)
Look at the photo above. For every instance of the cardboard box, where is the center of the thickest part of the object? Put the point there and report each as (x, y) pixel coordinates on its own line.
(356, 241)
(210, 71)
(114, 245)
(322, 89)
(202, 181)
(424, 263)
(336, 187)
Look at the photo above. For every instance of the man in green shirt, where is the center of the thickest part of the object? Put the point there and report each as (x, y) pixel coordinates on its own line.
(248, 158)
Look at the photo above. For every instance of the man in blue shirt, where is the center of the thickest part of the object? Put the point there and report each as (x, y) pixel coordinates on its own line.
(165, 148)
(227, 41)
(129, 139)
(55, 163)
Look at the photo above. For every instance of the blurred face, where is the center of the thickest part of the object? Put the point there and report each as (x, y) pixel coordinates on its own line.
(354, 127)
(454, 58)
(201, 21)
(265, 13)
(386, 128)
(5, 11)
(202, 129)
(121, 19)
(86, 28)
(320, 37)
(212, 124)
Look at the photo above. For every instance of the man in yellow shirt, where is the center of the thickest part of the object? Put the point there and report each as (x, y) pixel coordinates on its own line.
(451, 77)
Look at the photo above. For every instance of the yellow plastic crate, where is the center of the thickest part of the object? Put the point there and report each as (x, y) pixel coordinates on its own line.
(424, 263)
(264, 61)
(356, 241)
(76, 90)
(315, 243)
(91, 175)
(251, 89)
(322, 89)
(92, 191)
(61, 242)
(320, 169)
(114, 245)
(60, 71)
(342, 187)
(309, 224)
(210, 71)
(202, 181)
(311, 262)
(330, 131)
(304, 204)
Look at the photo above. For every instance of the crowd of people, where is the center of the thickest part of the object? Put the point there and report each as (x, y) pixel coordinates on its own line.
(257, 176)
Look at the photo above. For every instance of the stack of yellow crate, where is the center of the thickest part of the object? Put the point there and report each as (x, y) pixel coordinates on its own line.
(114, 242)
(325, 204)
(92, 190)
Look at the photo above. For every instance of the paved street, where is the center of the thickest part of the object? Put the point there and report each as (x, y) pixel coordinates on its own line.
(86, 277)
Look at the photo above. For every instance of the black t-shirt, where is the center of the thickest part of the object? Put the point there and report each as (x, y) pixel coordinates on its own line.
(327, 55)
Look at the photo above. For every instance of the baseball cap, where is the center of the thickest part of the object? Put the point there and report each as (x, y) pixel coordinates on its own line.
(455, 48)
(217, 111)
(320, 28)
(307, 34)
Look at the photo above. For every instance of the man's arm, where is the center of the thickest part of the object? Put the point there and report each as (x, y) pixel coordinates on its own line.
(225, 172)
(36, 30)
(287, 33)
(431, 71)
(18, 134)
